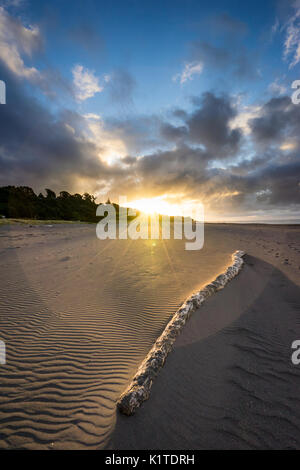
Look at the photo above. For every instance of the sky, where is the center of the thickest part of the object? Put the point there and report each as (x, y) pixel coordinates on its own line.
(166, 103)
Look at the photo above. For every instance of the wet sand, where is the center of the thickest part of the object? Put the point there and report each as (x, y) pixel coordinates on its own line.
(78, 315)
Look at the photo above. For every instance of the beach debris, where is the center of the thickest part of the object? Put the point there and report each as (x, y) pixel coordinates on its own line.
(65, 258)
(139, 389)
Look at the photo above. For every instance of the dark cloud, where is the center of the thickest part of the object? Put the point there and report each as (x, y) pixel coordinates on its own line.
(280, 184)
(211, 55)
(173, 133)
(209, 125)
(279, 120)
(37, 148)
(179, 113)
(42, 150)
(139, 133)
(173, 165)
(232, 59)
(267, 180)
(262, 185)
(129, 160)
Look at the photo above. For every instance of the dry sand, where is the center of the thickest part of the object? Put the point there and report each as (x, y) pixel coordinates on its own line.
(78, 315)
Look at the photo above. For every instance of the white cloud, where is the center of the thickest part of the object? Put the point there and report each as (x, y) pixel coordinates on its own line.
(12, 3)
(112, 147)
(86, 84)
(275, 27)
(292, 39)
(244, 115)
(277, 88)
(92, 116)
(190, 69)
(15, 40)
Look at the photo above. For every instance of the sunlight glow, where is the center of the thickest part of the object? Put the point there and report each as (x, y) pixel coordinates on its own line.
(164, 205)
(288, 145)
(155, 205)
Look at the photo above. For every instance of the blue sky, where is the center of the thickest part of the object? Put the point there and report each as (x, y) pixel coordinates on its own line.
(153, 40)
(184, 100)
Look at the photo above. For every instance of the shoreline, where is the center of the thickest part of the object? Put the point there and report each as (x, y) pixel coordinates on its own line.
(20, 221)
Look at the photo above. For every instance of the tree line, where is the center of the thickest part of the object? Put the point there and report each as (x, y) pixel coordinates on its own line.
(21, 202)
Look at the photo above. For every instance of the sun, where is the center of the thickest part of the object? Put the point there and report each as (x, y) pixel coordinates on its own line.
(156, 205)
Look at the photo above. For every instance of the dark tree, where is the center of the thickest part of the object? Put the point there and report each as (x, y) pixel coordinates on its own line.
(22, 202)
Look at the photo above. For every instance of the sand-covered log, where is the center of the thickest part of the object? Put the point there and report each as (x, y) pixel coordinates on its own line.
(139, 389)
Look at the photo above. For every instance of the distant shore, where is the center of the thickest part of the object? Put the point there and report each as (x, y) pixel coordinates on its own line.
(14, 221)
(10, 221)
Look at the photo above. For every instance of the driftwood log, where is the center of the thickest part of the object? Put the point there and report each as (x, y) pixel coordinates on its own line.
(139, 389)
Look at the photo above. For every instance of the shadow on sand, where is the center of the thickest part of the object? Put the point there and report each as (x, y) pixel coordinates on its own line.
(229, 383)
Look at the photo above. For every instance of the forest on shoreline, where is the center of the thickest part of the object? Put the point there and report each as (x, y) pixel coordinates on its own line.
(21, 202)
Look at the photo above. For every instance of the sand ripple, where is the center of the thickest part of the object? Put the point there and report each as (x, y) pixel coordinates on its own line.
(78, 315)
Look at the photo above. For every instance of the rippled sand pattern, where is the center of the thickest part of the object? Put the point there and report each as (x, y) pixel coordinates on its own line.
(78, 315)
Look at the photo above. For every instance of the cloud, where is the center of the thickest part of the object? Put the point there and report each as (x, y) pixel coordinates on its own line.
(225, 23)
(210, 54)
(275, 27)
(17, 40)
(292, 37)
(140, 133)
(190, 69)
(179, 113)
(173, 133)
(265, 179)
(231, 157)
(244, 115)
(41, 150)
(209, 125)
(279, 120)
(86, 84)
(84, 36)
(233, 58)
(92, 116)
(277, 88)
(263, 183)
(201, 159)
(12, 3)
(121, 86)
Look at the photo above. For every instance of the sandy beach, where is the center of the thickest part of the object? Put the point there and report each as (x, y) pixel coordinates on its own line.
(78, 315)
(229, 383)
(127, 129)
